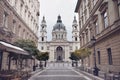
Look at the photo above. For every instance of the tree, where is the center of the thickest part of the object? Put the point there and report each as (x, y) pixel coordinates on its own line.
(82, 54)
(75, 58)
(28, 46)
(43, 56)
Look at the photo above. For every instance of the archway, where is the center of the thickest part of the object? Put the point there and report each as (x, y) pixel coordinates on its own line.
(59, 51)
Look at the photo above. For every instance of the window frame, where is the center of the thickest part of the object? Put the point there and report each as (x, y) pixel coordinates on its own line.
(105, 18)
(5, 20)
(118, 5)
(96, 27)
(109, 52)
(42, 39)
(42, 48)
(99, 57)
(14, 26)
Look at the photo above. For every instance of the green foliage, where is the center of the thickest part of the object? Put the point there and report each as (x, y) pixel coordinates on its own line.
(43, 56)
(83, 53)
(27, 45)
(73, 56)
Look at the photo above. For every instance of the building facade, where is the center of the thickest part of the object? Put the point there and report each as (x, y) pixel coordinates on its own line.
(59, 47)
(101, 19)
(19, 19)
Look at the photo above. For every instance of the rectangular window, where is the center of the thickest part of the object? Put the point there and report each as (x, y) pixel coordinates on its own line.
(23, 34)
(119, 7)
(5, 19)
(42, 48)
(109, 56)
(42, 38)
(105, 19)
(96, 27)
(19, 31)
(87, 36)
(14, 26)
(75, 38)
(99, 58)
(15, 3)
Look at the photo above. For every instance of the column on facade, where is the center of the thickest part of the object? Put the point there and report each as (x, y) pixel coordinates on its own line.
(89, 38)
(113, 10)
(100, 21)
(80, 41)
(85, 38)
(66, 53)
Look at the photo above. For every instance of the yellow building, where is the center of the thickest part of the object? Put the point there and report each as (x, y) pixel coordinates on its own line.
(101, 19)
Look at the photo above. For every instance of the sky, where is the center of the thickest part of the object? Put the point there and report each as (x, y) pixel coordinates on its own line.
(52, 8)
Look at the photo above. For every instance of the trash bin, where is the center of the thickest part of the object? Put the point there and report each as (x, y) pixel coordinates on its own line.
(34, 68)
(95, 71)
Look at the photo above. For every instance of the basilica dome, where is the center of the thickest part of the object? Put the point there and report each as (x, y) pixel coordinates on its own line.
(59, 25)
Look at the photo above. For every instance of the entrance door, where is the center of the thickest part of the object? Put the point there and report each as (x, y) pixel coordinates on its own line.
(59, 51)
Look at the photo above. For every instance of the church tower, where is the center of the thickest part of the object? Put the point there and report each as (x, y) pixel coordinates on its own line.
(75, 33)
(43, 36)
(43, 32)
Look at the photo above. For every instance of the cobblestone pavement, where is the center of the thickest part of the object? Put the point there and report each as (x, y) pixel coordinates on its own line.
(59, 71)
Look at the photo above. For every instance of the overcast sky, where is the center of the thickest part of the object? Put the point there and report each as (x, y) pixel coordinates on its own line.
(52, 8)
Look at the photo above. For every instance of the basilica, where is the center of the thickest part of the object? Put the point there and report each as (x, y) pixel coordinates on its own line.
(59, 47)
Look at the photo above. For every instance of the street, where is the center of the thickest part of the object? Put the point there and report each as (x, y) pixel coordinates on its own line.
(59, 71)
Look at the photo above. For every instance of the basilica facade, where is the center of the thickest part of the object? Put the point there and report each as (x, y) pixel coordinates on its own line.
(59, 47)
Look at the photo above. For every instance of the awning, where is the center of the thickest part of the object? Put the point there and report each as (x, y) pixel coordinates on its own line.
(11, 48)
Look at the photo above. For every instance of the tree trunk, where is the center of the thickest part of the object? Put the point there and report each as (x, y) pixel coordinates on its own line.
(82, 62)
(40, 64)
(21, 63)
(76, 63)
(72, 63)
(9, 63)
(45, 63)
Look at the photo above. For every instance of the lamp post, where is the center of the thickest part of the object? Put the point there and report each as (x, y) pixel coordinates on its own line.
(95, 71)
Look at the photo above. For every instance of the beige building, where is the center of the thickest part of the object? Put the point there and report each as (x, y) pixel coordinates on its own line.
(101, 19)
(19, 19)
(59, 48)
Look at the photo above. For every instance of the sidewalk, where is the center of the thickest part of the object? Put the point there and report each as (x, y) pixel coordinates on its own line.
(36, 71)
(89, 75)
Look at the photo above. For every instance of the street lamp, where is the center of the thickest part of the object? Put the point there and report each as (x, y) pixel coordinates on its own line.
(95, 71)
